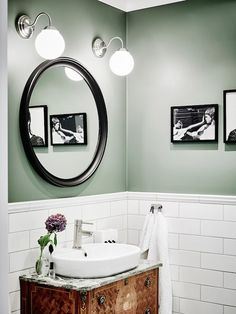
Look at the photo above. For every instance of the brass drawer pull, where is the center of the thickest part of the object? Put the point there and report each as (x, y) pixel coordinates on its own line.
(101, 300)
(148, 282)
(148, 311)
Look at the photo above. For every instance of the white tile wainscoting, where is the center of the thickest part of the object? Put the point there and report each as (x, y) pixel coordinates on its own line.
(202, 247)
(26, 225)
(202, 241)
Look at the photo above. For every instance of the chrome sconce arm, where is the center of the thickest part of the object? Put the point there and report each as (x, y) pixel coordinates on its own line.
(121, 62)
(49, 43)
(24, 26)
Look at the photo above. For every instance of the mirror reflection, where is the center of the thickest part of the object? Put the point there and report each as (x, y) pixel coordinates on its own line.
(63, 122)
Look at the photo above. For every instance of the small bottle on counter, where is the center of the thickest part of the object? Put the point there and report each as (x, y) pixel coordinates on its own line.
(52, 271)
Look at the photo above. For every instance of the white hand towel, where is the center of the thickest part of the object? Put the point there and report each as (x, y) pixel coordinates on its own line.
(146, 233)
(158, 251)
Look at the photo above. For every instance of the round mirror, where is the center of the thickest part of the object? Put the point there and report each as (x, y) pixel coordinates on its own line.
(63, 122)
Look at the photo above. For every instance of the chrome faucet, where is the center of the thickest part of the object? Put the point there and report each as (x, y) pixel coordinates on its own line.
(78, 232)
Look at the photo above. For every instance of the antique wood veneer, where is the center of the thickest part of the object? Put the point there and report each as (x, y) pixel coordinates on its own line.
(136, 294)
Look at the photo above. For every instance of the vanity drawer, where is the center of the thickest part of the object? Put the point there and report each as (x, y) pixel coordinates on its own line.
(134, 295)
(103, 300)
(37, 299)
(147, 292)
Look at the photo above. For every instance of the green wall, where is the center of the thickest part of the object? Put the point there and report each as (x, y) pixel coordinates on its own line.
(185, 53)
(79, 21)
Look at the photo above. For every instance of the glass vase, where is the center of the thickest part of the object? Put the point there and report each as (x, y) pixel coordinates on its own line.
(42, 265)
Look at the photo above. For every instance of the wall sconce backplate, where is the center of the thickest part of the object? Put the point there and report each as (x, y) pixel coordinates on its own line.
(23, 26)
(99, 47)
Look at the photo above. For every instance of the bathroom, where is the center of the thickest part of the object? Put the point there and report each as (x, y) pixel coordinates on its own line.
(184, 53)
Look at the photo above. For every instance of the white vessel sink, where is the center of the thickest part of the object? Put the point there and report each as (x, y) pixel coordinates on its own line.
(96, 260)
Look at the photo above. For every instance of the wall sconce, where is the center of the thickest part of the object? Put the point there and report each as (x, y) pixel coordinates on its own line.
(121, 62)
(49, 43)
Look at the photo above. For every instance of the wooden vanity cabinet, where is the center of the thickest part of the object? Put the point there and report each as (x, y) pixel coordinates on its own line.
(136, 294)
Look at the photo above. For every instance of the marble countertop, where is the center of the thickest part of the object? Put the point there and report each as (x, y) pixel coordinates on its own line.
(89, 284)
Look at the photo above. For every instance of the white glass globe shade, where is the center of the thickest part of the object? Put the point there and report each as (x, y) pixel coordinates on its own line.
(121, 62)
(73, 75)
(49, 43)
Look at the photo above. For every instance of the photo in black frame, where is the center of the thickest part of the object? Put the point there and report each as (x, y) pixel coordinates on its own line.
(68, 129)
(194, 123)
(38, 125)
(230, 116)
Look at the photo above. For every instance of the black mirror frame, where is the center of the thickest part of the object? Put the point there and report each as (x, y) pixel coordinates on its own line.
(102, 120)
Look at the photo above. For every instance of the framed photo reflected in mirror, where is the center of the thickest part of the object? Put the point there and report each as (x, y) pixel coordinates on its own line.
(68, 129)
(38, 125)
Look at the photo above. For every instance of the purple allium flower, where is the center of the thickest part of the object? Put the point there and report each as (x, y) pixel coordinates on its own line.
(56, 223)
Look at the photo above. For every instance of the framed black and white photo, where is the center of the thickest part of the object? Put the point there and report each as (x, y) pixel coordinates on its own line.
(38, 126)
(230, 116)
(194, 123)
(68, 129)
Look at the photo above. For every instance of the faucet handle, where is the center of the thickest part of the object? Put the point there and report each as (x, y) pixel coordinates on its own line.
(87, 223)
(88, 229)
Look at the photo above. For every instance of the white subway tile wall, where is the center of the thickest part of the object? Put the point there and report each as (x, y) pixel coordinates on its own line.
(230, 246)
(230, 212)
(229, 310)
(185, 226)
(218, 229)
(218, 295)
(198, 307)
(201, 276)
(184, 258)
(202, 241)
(230, 280)
(202, 249)
(201, 211)
(218, 262)
(27, 220)
(26, 225)
(18, 241)
(186, 290)
(15, 301)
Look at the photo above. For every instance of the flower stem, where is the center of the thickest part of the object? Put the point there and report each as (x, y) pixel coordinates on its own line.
(41, 252)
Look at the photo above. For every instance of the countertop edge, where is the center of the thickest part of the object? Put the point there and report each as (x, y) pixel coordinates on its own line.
(79, 284)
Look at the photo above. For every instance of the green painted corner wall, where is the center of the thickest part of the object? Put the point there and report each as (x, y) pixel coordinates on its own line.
(79, 21)
(184, 54)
